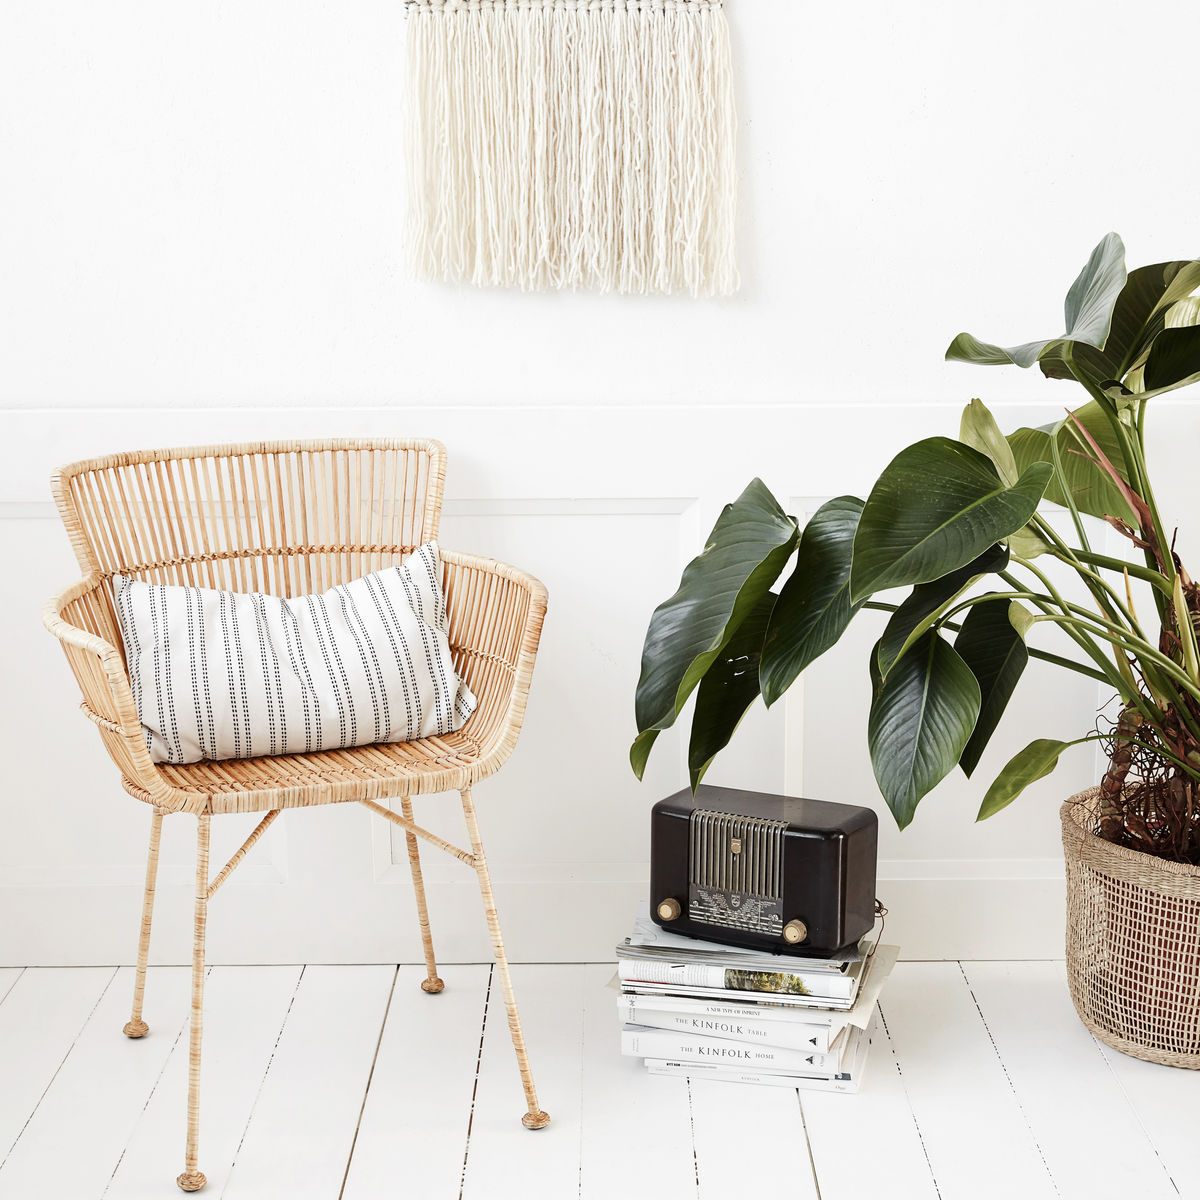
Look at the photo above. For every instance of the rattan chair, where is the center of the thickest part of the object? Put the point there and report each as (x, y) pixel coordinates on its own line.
(288, 518)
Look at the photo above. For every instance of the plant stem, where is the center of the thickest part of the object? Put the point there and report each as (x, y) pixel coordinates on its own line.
(1042, 655)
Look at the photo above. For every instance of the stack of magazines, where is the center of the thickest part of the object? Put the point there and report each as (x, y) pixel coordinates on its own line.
(709, 1011)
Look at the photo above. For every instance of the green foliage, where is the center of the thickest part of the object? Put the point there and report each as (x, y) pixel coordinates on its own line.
(921, 718)
(938, 505)
(814, 607)
(748, 547)
(959, 522)
(1035, 762)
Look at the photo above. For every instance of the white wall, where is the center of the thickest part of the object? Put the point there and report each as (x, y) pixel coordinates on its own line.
(200, 240)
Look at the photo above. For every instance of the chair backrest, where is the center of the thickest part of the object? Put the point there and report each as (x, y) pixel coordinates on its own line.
(278, 517)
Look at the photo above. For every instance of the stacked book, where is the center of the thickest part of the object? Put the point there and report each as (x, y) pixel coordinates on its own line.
(709, 1011)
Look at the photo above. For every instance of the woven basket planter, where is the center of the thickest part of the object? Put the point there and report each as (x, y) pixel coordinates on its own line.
(1133, 942)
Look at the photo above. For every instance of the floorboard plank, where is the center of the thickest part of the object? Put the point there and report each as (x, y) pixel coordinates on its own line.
(730, 1118)
(40, 1019)
(504, 1158)
(636, 1127)
(1064, 1085)
(964, 1105)
(301, 1131)
(245, 1008)
(842, 1128)
(8, 976)
(103, 1062)
(1167, 1102)
(414, 1122)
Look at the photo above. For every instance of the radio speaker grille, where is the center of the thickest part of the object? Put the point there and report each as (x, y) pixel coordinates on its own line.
(736, 870)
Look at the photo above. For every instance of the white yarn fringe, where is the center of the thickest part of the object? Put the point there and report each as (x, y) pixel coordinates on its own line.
(572, 143)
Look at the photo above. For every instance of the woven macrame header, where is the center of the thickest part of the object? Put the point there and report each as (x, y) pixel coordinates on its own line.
(588, 5)
(572, 143)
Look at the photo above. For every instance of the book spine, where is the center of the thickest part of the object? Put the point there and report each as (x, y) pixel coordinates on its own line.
(665, 1043)
(817, 1083)
(724, 1021)
(786, 983)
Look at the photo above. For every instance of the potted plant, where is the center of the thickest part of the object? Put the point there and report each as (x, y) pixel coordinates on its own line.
(965, 524)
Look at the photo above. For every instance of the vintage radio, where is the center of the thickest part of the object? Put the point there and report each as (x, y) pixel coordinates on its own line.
(766, 872)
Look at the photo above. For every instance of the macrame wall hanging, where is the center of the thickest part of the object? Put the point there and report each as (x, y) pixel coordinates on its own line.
(572, 143)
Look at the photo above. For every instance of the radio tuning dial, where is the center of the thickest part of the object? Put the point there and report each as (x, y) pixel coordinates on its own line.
(669, 909)
(794, 932)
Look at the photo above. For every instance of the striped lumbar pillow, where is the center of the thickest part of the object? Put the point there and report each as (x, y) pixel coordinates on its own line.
(235, 675)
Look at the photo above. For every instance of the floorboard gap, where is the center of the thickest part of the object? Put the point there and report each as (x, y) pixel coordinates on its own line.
(1133, 1108)
(158, 1079)
(15, 981)
(387, 1008)
(61, 1061)
(812, 1161)
(692, 1124)
(487, 998)
(262, 1082)
(1008, 1079)
(911, 1110)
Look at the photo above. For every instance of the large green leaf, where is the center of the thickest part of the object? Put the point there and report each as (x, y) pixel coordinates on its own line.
(1035, 762)
(1174, 359)
(1093, 491)
(938, 505)
(927, 601)
(727, 690)
(996, 655)
(1137, 318)
(1087, 313)
(921, 718)
(814, 606)
(746, 550)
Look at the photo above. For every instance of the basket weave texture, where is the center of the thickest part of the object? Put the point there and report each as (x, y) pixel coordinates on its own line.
(1133, 942)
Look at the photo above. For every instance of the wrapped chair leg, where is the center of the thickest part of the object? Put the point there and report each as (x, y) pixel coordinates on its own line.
(431, 983)
(192, 1179)
(534, 1118)
(136, 1027)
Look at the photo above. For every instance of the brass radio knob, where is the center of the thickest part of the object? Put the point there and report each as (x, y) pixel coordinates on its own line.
(669, 909)
(794, 932)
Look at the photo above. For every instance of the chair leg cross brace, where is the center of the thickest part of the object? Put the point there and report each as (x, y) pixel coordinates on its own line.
(233, 864)
(192, 1178)
(409, 826)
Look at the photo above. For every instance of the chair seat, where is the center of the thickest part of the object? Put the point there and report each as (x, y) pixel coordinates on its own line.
(370, 772)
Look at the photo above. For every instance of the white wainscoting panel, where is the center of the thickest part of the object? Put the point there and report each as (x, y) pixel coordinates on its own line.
(606, 510)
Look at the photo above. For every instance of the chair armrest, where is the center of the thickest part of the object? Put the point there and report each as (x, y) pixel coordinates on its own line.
(495, 615)
(82, 621)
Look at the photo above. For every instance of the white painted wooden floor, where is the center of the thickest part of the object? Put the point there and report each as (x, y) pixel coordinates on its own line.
(351, 1082)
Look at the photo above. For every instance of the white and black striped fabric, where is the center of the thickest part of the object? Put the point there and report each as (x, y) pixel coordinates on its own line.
(235, 675)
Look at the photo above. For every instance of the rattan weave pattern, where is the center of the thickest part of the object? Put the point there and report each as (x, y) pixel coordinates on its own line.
(288, 518)
(1133, 942)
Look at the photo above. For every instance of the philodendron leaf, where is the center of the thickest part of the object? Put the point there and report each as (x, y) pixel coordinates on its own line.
(814, 605)
(1035, 762)
(1025, 543)
(1020, 618)
(746, 550)
(1087, 312)
(996, 655)
(938, 505)
(978, 428)
(727, 690)
(1174, 360)
(921, 718)
(1093, 491)
(927, 601)
(1138, 316)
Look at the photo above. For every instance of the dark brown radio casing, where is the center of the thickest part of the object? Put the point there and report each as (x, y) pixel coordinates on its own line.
(765, 872)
